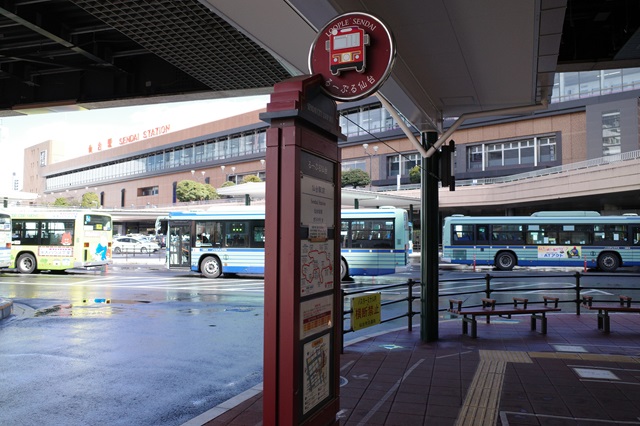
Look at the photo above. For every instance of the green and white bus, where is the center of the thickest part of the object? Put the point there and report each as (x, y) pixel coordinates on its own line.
(232, 240)
(5, 240)
(582, 239)
(59, 240)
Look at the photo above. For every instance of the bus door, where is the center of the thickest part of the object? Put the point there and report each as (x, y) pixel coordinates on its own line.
(179, 244)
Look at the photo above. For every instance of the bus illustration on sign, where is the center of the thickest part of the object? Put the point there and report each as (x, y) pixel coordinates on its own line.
(346, 47)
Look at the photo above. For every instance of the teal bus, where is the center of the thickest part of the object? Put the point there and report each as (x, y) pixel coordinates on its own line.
(230, 240)
(571, 239)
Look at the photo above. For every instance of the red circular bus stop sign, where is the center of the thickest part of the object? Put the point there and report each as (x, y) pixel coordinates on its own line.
(354, 53)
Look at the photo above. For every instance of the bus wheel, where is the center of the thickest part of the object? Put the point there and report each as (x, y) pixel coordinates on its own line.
(344, 269)
(26, 263)
(608, 261)
(505, 261)
(211, 267)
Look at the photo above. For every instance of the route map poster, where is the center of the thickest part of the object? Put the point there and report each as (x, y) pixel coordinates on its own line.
(316, 265)
(315, 375)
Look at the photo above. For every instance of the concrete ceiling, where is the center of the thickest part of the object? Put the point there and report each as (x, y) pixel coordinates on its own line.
(453, 56)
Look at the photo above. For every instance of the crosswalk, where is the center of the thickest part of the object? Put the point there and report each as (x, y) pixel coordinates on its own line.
(227, 285)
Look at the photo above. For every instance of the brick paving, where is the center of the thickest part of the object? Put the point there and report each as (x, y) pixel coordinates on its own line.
(574, 375)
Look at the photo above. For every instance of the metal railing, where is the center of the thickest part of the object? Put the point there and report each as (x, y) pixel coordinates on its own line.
(408, 299)
(573, 293)
(565, 168)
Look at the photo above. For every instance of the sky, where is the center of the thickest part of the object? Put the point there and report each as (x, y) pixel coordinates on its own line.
(78, 130)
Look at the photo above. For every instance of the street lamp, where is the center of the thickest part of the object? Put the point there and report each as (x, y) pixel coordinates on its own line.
(375, 152)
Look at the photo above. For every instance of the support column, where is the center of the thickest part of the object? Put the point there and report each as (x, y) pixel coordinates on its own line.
(429, 238)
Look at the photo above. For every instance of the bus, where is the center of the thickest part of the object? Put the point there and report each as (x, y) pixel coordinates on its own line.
(231, 241)
(571, 239)
(5, 240)
(49, 240)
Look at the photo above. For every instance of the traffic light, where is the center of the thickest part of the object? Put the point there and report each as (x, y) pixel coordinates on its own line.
(446, 175)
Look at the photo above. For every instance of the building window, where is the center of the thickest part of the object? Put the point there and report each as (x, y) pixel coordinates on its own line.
(611, 133)
(529, 152)
(150, 190)
(402, 164)
(43, 158)
(355, 164)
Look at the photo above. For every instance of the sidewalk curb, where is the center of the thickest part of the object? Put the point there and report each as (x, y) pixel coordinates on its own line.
(6, 308)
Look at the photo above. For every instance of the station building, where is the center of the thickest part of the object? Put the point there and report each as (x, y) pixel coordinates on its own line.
(593, 120)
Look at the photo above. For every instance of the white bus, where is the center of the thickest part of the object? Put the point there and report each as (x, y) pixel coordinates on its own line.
(231, 241)
(5, 240)
(60, 240)
(572, 239)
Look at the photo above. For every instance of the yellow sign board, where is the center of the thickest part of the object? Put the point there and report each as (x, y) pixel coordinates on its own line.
(365, 311)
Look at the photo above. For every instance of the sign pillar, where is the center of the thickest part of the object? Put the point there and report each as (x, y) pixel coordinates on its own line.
(350, 59)
(302, 252)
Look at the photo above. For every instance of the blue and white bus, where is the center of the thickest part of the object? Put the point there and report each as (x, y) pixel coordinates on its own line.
(230, 240)
(5, 240)
(572, 239)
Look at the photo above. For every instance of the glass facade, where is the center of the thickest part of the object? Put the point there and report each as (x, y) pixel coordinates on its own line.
(577, 85)
(195, 153)
(366, 120)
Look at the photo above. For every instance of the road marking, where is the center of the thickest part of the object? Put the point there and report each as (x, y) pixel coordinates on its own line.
(482, 402)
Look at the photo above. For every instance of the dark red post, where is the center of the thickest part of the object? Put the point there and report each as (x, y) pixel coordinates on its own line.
(302, 336)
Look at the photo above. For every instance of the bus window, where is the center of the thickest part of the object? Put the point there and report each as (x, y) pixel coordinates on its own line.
(463, 234)
(56, 233)
(610, 234)
(258, 236)
(344, 234)
(576, 234)
(542, 234)
(482, 234)
(236, 234)
(635, 235)
(208, 233)
(507, 234)
(97, 222)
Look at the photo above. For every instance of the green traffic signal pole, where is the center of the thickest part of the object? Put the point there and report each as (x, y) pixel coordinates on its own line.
(429, 241)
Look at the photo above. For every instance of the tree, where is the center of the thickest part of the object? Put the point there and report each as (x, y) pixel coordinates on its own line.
(188, 190)
(228, 183)
(415, 175)
(90, 200)
(251, 178)
(61, 202)
(355, 178)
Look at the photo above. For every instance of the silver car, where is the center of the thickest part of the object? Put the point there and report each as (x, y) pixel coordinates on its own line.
(134, 245)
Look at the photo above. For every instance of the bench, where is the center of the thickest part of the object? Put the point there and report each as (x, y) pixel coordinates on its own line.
(603, 310)
(489, 308)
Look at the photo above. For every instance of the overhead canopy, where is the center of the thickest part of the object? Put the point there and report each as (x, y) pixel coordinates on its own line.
(256, 190)
(454, 56)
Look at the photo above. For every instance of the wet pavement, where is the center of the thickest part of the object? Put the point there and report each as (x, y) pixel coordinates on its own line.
(509, 375)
